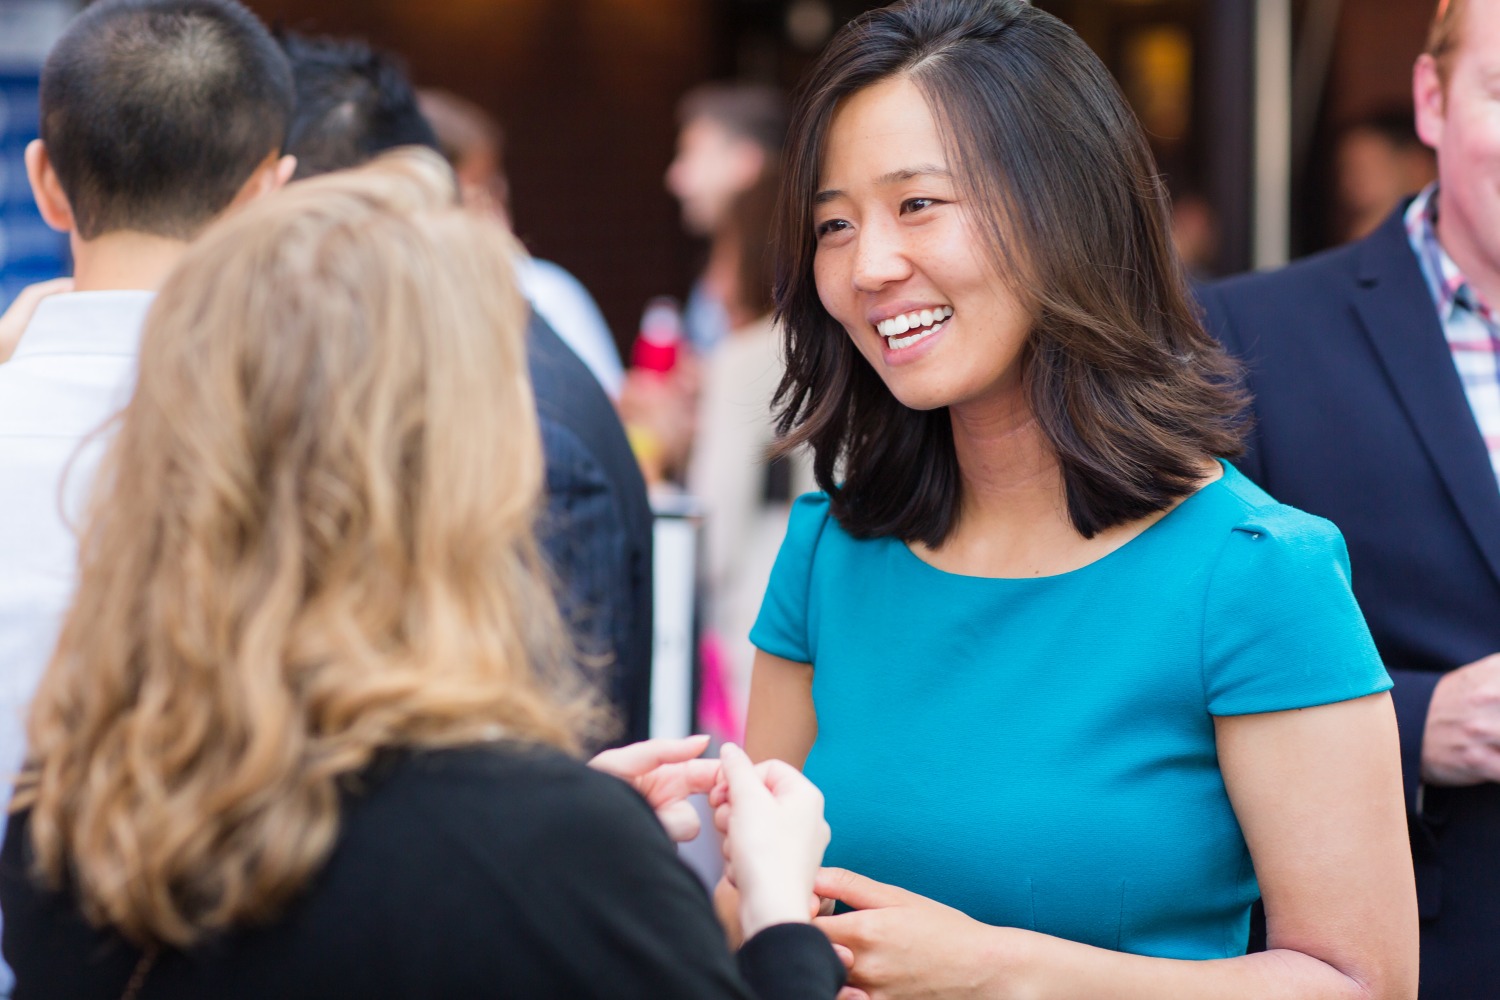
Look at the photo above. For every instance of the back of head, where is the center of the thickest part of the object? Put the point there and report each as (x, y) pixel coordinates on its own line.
(311, 540)
(353, 102)
(156, 112)
(748, 110)
(463, 128)
(474, 144)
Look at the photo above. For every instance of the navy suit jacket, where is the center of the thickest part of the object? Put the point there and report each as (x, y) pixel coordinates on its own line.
(1361, 418)
(596, 531)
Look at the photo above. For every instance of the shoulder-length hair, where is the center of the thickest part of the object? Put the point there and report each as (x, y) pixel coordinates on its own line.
(1129, 390)
(310, 541)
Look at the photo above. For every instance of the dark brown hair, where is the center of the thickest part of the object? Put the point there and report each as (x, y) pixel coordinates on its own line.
(750, 220)
(1129, 390)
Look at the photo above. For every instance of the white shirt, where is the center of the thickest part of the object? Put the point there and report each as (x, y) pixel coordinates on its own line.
(561, 300)
(73, 370)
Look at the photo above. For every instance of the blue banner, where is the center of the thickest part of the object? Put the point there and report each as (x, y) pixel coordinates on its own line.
(29, 250)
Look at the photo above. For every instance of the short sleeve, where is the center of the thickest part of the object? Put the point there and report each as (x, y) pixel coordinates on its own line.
(1281, 629)
(781, 628)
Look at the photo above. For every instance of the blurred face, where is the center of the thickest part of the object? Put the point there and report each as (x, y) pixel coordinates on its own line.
(481, 181)
(1462, 123)
(713, 166)
(899, 264)
(1370, 172)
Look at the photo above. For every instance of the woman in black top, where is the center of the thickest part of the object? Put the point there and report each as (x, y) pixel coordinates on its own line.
(307, 731)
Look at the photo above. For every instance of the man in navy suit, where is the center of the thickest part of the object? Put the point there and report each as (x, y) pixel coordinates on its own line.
(354, 102)
(1377, 405)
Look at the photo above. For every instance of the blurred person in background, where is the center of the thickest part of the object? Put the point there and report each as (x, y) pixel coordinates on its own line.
(156, 117)
(1377, 405)
(729, 136)
(728, 146)
(1076, 690)
(309, 730)
(475, 146)
(746, 491)
(707, 422)
(353, 102)
(1195, 232)
(1379, 162)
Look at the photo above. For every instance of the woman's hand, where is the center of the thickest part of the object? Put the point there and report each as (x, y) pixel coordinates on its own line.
(899, 944)
(665, 772)
(774, 837)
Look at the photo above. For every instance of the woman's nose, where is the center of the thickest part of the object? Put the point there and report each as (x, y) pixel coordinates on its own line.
(879, 258)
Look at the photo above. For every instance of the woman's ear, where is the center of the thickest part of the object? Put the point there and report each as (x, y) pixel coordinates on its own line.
(47, 189)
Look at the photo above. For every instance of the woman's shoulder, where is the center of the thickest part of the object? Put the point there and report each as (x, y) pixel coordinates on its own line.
(508, 790)
(808, 522)
(1239, 508)
(816, 540)
(1281, 627)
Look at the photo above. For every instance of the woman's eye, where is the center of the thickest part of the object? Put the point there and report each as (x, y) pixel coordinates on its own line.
(831, 226)
(916, 204)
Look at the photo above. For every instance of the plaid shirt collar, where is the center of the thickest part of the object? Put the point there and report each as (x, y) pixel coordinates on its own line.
(1450, 290)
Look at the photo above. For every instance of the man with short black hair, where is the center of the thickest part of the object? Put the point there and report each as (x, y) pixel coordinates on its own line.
(353, 101)
(156, 117)
(1376, 374)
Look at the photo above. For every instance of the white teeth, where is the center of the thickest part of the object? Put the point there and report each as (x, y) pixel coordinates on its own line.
(897, 325)
(897, 343)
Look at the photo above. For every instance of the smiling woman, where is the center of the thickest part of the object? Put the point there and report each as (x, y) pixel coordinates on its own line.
(948, 158)
(1075, 689)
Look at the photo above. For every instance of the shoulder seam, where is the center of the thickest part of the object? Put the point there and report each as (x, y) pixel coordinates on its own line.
(1208, 589)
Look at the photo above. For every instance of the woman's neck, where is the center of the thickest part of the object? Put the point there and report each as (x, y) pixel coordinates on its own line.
(1013, 516)
(1010, 476)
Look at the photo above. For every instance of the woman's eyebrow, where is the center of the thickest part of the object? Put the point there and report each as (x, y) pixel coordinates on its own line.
(907, 173)
(885, 180)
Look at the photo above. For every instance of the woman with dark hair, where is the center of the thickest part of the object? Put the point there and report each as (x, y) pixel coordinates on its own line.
(1075, 689)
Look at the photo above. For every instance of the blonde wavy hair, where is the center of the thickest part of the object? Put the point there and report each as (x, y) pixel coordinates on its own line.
(310, 541)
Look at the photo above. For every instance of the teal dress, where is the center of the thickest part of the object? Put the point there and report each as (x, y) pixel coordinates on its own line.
(1039, 752)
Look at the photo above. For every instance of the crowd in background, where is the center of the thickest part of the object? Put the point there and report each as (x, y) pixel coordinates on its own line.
(327, 549)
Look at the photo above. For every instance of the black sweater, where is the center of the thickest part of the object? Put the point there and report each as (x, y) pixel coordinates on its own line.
(495, 872)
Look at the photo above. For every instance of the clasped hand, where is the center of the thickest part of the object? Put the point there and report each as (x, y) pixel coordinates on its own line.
(771, 815)
(1461, 741)
(893, 943)
(898, 944)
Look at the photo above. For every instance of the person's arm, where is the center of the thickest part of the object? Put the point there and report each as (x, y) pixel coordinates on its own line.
(780, 722)
(1317, 794)
(583, 534)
